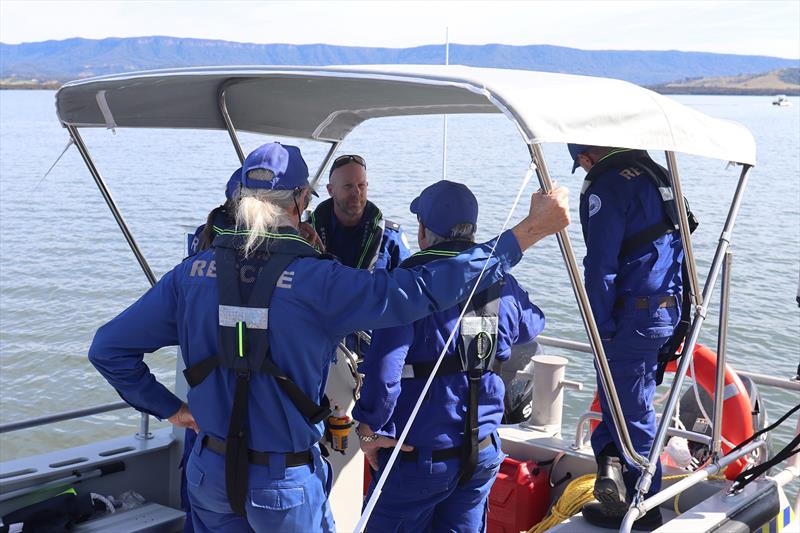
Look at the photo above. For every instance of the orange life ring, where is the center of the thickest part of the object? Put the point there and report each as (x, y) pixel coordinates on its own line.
(737, 420)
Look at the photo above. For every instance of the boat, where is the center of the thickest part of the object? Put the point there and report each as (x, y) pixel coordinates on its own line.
(781, 100)
(325, 104)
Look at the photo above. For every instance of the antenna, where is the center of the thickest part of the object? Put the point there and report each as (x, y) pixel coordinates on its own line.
(444, 124)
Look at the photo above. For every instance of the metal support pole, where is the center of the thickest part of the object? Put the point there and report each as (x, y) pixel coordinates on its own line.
(639, 509)
(223, 111)
(325, 162)
(98, 179)
(643, 484)
(604, 372)
(144, 428)
(683, 222)
(722, 341)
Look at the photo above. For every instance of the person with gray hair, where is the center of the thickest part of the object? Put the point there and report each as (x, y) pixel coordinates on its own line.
(258, 317)
(443, 483)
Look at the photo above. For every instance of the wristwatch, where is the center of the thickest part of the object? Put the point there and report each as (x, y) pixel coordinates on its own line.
(366, 438)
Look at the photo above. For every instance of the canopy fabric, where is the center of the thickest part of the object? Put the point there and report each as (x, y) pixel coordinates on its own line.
(327, 103)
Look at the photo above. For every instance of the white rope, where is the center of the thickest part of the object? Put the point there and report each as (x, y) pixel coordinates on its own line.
(70, 142)
(401, 440)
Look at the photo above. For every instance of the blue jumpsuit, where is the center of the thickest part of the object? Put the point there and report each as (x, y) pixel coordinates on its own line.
(315, 303)
(424, 495)
(628, 294)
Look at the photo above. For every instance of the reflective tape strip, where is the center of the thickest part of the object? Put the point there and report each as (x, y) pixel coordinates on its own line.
(254, 317)
(666, 193)
(240, 330)
(475, 324)
(729, 391)
(408, 372)
(102, 103)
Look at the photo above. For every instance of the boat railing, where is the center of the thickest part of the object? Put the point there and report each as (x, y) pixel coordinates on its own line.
(759, 379)
(144, 421)
(552, 342)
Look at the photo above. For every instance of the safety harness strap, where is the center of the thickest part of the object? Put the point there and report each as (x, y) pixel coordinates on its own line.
(670, 223)
(646, 236)
(236, 452)
(309, 409)
(469, 446)
(475, 350)
(244, 344)
(195, 374)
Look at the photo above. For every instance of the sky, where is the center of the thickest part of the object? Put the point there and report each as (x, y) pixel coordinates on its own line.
(732, 26)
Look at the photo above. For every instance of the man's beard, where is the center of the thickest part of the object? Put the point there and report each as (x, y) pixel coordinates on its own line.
(351, 210)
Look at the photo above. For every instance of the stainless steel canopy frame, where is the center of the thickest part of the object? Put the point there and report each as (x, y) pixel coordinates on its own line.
(229, 126)
(506, 106)
(144, 421)
(640, 505)
(223, 111)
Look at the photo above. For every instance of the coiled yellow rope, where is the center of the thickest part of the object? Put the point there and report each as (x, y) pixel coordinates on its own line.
(577, 494)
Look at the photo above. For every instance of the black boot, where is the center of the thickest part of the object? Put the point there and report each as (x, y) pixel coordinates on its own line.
(609, 487)
(601, 515)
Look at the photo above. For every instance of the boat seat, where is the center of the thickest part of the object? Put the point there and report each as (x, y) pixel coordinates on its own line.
(147, 518)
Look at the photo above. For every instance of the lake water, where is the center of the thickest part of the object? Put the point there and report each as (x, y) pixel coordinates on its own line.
(65, 268)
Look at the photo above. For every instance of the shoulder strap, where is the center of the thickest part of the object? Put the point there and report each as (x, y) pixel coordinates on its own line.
(439, 251)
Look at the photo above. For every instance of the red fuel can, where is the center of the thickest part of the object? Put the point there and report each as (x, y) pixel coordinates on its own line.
(519, 498)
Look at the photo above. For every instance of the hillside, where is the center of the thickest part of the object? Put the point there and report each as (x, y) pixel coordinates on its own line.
(78, 58)
(781, 81)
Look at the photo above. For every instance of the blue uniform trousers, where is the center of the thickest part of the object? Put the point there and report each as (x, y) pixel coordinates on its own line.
(424, 496)
(280, 499)
(632, 358)
(188, 443)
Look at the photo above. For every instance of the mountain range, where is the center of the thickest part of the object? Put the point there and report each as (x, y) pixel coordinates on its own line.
(68, 59)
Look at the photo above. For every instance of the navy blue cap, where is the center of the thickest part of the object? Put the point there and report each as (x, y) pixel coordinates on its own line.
(444, 205)
(285, 162)
(233, 183)
(575, 150)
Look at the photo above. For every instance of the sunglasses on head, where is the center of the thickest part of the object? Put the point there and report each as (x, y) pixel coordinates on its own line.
(343, 160)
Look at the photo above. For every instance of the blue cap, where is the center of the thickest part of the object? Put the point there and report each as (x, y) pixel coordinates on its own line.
(444, 205)
(233, 183)
(575, 150)
(285, 162)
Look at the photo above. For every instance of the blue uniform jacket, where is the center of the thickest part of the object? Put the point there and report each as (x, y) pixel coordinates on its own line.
(386, 402)
(316, 304)
(394, 247)
(619, 203)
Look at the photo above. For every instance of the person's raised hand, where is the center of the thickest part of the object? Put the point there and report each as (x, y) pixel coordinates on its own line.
(548, 214)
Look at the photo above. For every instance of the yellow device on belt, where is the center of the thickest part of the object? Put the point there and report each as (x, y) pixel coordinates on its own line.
(339, 425)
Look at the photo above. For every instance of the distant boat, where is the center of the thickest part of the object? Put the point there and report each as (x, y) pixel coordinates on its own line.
(781, 100)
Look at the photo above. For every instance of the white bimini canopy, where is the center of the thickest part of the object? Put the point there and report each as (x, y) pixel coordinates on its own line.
(326, 103)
